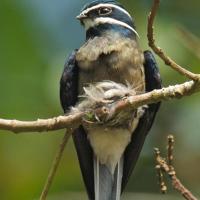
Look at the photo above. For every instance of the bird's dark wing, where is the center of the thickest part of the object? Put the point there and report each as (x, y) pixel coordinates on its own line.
(69, 83)
(153, 81)
(69, 97)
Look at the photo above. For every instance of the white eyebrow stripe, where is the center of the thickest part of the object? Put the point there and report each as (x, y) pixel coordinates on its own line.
(104, 20)
(103, 5)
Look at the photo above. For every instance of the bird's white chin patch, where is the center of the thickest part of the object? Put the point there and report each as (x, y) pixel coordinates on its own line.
(89, 23)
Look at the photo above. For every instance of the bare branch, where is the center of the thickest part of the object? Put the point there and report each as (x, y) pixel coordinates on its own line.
(41, 125)
(55, 165)
(73, 121)
(168, 61)
(163, 187)
(167, 168)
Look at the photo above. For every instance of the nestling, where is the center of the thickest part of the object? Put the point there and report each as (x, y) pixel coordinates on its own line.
(109, 59)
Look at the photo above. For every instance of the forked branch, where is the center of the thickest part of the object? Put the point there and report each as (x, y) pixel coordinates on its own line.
(164, 166)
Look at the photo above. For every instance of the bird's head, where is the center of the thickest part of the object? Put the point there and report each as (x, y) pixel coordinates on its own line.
(103, 16)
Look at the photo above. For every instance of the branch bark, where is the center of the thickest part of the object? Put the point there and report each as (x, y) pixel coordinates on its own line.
(41, 125)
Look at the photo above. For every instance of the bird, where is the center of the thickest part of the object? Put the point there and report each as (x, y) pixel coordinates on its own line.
(109, 57)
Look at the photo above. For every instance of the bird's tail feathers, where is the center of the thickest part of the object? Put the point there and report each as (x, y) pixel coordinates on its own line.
(107, 185)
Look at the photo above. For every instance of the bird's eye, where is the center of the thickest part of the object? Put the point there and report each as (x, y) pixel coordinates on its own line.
(104, 11)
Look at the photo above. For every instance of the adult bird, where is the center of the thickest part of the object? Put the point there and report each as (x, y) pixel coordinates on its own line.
(108, 153)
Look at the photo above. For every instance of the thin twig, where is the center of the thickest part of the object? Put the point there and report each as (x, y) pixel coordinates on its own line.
(170, 149)
(55, 165)
(163, 187)
(168, 61)
(166, 167)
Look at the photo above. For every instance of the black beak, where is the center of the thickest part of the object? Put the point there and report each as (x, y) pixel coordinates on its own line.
(81, 16)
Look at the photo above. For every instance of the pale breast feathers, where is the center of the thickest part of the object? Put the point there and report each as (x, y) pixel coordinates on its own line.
(127, 50)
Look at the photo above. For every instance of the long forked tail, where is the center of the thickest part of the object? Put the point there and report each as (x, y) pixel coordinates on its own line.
(107, 185)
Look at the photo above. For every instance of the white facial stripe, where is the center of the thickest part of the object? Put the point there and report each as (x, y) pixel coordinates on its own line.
(103, 5)
(107, 20)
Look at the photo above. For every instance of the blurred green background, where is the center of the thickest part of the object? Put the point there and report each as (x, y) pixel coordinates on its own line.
(35, 38)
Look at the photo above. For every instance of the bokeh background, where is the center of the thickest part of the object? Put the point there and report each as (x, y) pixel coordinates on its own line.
(35, 38)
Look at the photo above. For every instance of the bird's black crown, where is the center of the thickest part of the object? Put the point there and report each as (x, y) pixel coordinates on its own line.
(96, 2)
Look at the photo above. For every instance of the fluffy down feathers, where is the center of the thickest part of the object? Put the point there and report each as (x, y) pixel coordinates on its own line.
(106, 93)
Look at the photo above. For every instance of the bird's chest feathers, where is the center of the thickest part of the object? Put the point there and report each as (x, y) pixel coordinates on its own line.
(110, 58)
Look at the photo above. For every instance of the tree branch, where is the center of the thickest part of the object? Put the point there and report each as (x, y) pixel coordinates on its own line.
(73, 121)
(41, 125)
(168, 61)
(166, 167)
